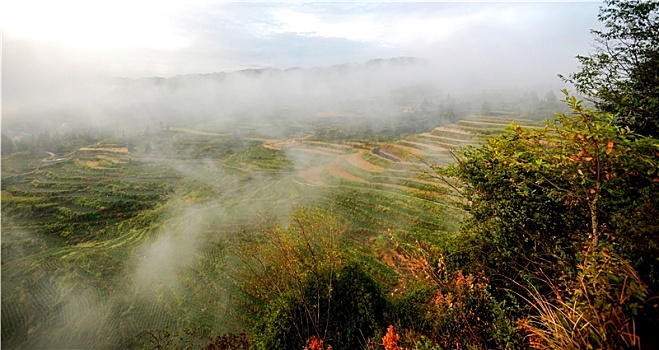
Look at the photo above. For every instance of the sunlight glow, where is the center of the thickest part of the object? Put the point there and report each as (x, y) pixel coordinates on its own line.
(94, 24)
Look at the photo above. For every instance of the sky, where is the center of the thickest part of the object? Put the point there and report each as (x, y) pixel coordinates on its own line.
(48, 44)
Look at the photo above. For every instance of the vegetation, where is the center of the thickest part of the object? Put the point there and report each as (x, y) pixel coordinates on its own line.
(526, 236)
(544, 204)
(620, 75)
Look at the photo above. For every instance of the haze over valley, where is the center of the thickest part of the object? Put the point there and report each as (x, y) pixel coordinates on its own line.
(233, 175)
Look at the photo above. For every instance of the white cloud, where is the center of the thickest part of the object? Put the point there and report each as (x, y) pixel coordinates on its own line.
(394, 29)
(168, 37)
(95, 24)
(363, 28)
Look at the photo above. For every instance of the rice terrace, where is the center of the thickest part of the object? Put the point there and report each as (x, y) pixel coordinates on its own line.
(99, 204)
(236, 175)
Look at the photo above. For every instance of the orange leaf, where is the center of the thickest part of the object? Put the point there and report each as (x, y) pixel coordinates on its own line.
(390, 340)
(609, 147)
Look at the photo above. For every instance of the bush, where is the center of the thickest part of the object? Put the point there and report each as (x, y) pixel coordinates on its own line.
(344, 309)
(598, 309)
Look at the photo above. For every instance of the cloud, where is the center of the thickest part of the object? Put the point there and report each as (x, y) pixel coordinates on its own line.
(364, 29)
(162, 261)
(95, 25)
(49, 48)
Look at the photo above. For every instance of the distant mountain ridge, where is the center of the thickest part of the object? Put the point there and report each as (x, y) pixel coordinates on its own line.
(344, 67)
(371, 88)
(277, 87)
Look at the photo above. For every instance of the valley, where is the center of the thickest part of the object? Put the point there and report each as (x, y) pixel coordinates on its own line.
(106, 243)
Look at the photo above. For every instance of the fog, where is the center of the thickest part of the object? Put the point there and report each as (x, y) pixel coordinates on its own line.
(214, 61)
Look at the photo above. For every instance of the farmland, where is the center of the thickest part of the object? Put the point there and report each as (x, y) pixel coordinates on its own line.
(116, 240)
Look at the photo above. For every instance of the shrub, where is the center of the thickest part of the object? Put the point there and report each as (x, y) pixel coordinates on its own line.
(453, 310)
(344, 309)
(597, 310)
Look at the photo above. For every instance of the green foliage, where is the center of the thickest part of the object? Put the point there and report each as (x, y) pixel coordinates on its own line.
(277, 259)
(194, 338)
(229, 341)
(301, 285)
(621, 74)
(259, 157)
(426, 344)
(513, 222)
(345, 309)
(110, 211)
(80, 203)
(408, 310)
(7, 147)
(529, 191)
(539, 199)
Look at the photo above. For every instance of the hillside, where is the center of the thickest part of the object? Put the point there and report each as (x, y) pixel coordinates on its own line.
(102, 244)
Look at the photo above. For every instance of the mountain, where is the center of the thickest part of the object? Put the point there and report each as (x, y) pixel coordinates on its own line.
(369, 90)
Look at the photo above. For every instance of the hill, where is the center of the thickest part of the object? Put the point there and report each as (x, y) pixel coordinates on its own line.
(103, 242)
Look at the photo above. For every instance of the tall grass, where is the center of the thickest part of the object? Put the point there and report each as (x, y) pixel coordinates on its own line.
(596, 310)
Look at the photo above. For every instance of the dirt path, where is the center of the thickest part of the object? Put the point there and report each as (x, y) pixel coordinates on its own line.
(122, 150)
(501, 124)
(196, 132)
(330, 145)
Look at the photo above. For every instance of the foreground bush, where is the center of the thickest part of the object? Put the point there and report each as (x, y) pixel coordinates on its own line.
(599, 309)
(344, 309)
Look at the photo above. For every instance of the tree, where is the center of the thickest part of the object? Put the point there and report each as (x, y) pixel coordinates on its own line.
(621, 76)
(7, 145)
(543, 199)
(300, 283)
(544, 182)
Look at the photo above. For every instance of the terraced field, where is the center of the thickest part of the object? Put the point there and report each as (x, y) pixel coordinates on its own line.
(102, 244)
(397, 165)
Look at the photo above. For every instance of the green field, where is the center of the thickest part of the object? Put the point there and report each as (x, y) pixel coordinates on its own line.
(110, 240)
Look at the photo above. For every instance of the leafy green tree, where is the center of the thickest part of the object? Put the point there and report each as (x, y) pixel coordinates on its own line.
(622, 74)
(540, 198)
(586, 157)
